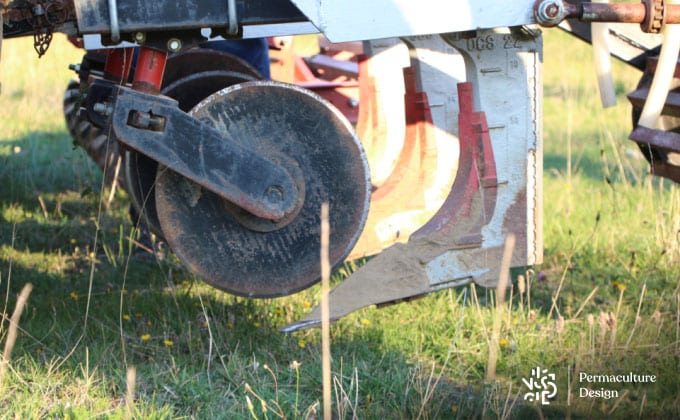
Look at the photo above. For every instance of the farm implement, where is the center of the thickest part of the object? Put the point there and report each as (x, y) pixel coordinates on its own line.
(419, 123)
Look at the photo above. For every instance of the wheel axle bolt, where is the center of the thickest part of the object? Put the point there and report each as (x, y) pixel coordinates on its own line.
(550, 12)
(140, 37)
(274, 194)
(102, 108)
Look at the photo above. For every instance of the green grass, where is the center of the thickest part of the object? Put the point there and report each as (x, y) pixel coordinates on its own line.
(611, 233)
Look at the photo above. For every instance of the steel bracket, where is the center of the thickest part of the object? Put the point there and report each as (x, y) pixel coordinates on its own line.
(155, 126)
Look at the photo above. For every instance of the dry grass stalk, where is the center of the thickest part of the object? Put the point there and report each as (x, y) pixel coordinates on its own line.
(585, 302)
(114, 183)
(325, 313)
(131, 383)
(503, 281)
(637, 315)
(12, 332)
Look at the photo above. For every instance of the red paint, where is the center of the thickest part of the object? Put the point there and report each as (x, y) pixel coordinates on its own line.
(149, 72)
(118, 63)
(476, 176)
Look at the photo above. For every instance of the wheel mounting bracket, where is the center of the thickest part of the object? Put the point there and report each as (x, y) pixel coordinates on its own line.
(155, 126)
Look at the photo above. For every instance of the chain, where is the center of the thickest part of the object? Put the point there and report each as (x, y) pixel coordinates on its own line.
(41, 40)
(46, 15)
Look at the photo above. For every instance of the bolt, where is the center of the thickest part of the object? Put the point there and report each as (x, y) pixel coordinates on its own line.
(102, 108)
(174, 44)
(353, 103)
(140, 37)
(147, 121)
(140, 120)
(274, 194)
(550, 12)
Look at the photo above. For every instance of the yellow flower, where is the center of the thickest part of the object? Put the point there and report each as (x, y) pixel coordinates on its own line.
(503, 343)
(619, 285)
(145, 337)
(74, 295)
(230, 325)
(365, 322)
(73, 241)
(135, 292)
(256, 324)
(302, 344)
(124, 291)
(185, 283)
(126, 317)
(454, 409)
(306, 304)
(138, 315)
(168, 343)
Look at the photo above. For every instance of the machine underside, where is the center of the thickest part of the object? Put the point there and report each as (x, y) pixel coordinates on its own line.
(425, 138)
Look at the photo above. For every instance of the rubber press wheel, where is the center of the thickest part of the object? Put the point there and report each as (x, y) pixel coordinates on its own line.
(140, 170)
(190, 76)
(239, 253)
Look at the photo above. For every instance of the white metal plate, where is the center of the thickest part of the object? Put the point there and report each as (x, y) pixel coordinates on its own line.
(352, 20)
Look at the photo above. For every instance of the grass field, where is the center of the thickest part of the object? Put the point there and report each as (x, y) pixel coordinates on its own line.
(99, 320)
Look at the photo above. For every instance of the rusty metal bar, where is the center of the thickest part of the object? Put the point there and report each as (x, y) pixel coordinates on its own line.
(614, 12)
(650, 14)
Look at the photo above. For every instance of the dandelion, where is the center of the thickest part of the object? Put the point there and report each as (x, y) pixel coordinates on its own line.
(365, 322)
(295, 364)
(454, 409)
(145, 337)
(306, 304)
(168, 343)
(503, 343)
(138, 315)
(135, 292)
(256, 324)
(185, 283)
(73, 241)
(126, 317)
(230, 325)
(74, 295)
(124, 291)
(619, 285)
(302, 344)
